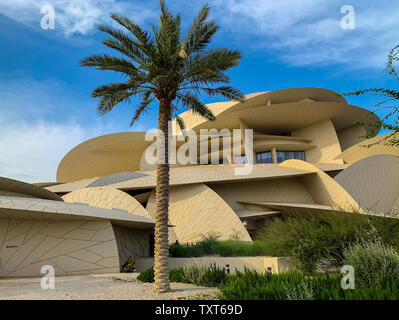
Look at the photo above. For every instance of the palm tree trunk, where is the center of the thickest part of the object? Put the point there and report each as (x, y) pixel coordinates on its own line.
(161, 252)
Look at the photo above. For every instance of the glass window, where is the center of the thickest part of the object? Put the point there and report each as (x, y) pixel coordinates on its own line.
(240, 159)
(264, 157)
(300, 155)
(286, 155)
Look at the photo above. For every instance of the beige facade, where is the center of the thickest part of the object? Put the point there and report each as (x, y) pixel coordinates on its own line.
(73, 238)
(307, 157)
(308, 136)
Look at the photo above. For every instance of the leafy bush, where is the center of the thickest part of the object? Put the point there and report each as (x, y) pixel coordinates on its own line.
(147, 275)
(320, 243)
(304, 291)
(251, 285)
(175, 275)
(305, 240)
(195, 273)
(224, 248)
(208, 243)
(214, 276)
(201, 275)
(179, 251)
(374, 263)
(294, 285)
(202, 248)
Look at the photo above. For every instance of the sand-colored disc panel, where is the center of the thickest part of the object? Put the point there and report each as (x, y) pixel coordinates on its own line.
(107, 198)
(19, 188)
(196, 211)
(373, 182)
(323, 188)
(368, 148)
(104, 155)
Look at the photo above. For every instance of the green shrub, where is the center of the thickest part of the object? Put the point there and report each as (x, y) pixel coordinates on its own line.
(208, 244)
(260, 248)
(374, 263)
(227, 249)
(302, 239)
(251, 285)
(195, 273)
(175, 275)
(178, 251)
(320, 243)
(204, 247)
(147, 275)
(303, 291)
(202, 275)
(214, 276)
(224, 248)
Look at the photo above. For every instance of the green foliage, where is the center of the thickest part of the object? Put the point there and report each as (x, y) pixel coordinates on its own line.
(303, 291)
(175, 275)
(210, 246)
(374, 263)
(251, 285)
(195, 273)
(164, 65)
(214, 276)
(390, 121)
(201, 275)
(320, 243)
(147, 275)
(179, 251)
(304, 240)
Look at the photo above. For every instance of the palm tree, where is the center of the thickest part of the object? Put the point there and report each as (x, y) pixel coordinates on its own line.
(164, 66)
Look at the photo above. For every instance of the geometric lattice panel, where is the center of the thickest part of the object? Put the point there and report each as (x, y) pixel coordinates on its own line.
(71, 247)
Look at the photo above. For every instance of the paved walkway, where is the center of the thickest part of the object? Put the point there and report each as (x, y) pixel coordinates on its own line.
(97, 287)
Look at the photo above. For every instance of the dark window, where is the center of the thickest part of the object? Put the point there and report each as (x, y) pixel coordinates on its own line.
(286, 155)
(264, 157)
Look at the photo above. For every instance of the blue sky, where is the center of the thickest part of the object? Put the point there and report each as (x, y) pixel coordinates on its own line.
(46, 108)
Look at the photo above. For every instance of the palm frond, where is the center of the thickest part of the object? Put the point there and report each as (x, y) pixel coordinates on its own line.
(143, 106)
(164, 65)
(145, 41)
(200, 32)
(225, 91)
(191, 101)
(107, 62)
(110, 95)
(181, 123)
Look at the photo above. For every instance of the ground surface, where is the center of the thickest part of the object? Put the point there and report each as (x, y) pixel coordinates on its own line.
(94, 287)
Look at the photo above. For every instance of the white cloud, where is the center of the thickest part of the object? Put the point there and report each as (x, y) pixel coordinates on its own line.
(299, 33)
(40, 122)
(31, 151)
(73, 16)
(308, 32)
